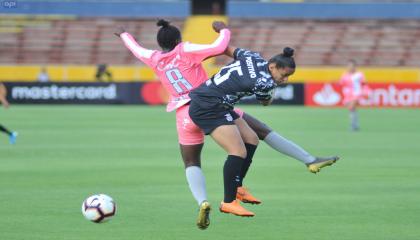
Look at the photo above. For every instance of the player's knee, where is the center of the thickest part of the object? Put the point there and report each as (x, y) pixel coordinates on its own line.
(262, 132)
(192, 162)
(253, 139)
(240, 152)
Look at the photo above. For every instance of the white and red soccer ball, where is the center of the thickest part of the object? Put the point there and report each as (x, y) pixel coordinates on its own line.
(98, 208)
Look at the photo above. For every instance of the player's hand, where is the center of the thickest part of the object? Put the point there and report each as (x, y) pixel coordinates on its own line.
(266, 102)
(119, 31)
(218, 26)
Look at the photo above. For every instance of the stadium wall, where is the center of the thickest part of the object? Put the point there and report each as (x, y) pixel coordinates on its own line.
(92, 8)
(59, 73)
(182, 8)
(238, 9)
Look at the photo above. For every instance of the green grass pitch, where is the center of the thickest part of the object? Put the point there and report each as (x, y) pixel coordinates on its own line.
(65, 153)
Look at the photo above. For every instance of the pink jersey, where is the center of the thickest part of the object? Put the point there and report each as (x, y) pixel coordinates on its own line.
(179, 70)
(352, 83)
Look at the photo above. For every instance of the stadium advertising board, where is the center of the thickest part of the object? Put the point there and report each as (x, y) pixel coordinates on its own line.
(381, 95)
(287, 94)
(310, 94)
(72, 93)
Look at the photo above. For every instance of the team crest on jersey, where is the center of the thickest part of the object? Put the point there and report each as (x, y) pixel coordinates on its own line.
(229, 117)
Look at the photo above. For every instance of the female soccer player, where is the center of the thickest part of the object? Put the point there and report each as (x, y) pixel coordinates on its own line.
(5, 103)
(211, 108)
(354, 88)
(179, 68)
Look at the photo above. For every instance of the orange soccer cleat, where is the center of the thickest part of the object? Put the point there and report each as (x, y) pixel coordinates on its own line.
(235, 208)
(246, 197)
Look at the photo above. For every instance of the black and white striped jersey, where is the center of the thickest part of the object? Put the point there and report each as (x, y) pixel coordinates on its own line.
(248, 74)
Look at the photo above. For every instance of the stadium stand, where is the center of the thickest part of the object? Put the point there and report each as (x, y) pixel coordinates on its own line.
(81, 41)
(71, 41)
(74, 39)
(318, 42)
(332, 42)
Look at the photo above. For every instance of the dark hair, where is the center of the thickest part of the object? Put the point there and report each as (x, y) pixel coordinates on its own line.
(284, 59)
(352, 61)
(168, 36)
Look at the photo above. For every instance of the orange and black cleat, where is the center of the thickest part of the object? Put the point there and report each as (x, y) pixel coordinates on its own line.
(245, 196)
(235, 208)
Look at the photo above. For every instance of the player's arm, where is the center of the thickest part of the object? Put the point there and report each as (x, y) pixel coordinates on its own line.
(204, 51)
(264, 91)
(230, 51)
(235, 53)
(140, 52)
(266, 102)
(267, 99)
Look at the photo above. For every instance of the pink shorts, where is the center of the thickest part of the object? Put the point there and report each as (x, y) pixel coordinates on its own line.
(188, 132)
(350, 96)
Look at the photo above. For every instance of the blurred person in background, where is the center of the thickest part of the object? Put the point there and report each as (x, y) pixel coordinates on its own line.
(354, 87)
(12, 135)
(43, 75)
(101, 71)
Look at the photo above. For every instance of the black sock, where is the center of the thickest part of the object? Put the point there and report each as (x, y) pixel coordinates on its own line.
(231, 176)
(3, 129)
(250, 150)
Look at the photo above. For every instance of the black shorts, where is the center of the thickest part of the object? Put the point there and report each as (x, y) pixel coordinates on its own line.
(209, 119)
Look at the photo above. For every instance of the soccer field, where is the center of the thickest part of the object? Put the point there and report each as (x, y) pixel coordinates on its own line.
(66, 153)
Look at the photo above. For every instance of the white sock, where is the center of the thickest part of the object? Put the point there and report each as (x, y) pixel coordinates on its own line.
(197, 183)
(281, 144)
(354, 119)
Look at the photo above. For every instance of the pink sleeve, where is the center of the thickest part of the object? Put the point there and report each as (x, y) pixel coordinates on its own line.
(199, 52)
(145, 55)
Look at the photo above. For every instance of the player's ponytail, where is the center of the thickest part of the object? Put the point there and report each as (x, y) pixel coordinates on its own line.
(162, 23)
(284, 59)
(168, 36)
(288, 52)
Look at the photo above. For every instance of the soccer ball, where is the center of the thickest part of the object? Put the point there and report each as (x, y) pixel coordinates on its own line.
(98, 208)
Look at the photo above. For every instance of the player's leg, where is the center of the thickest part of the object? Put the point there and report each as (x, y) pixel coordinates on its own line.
(287, 147)
(12, 135)
(251, 141)
(191, 141)
(229, 138)
(276, 141)
(195, 177)
(191, 155)
(354, 116)
(219, 124)
(5, 130)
